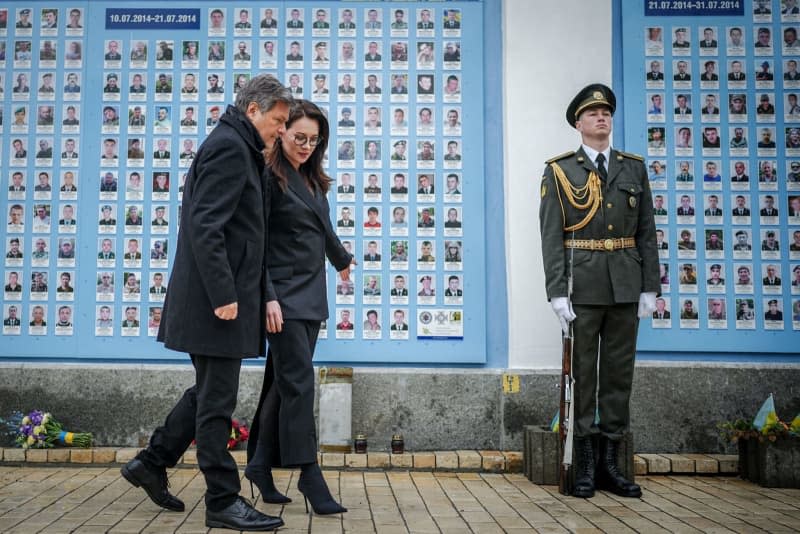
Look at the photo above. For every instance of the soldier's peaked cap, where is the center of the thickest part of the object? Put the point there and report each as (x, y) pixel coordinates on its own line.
(592, 95)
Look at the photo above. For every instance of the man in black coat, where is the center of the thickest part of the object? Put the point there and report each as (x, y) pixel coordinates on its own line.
(216, 305)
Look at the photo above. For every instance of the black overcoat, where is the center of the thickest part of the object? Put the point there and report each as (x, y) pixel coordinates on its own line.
(300, 236)
(220, 257)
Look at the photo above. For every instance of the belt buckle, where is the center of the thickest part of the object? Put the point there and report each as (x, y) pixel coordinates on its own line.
(608, 244)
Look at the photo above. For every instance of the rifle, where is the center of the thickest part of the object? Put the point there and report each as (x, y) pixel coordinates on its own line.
(565, 415)
(566, 409)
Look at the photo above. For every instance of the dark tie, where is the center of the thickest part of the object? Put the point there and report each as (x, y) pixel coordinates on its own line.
(601, 167)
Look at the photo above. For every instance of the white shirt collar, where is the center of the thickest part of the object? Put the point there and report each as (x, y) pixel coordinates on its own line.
(592, 154)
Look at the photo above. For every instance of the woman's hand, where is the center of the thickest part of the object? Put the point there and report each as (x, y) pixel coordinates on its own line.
(274, 317)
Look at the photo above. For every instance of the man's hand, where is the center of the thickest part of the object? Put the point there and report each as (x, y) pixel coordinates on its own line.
(562, 307)
(647, 304)
(228, 312)
(344, 274)
(274, 317)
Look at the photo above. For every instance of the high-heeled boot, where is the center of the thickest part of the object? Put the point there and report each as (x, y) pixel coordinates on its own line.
(313, 487)
(262, 478)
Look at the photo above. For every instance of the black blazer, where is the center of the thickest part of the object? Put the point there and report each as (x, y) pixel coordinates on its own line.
(299, 237)
(220, 254)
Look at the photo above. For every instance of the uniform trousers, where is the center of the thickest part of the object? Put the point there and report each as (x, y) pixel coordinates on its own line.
(203, 414)
(286, 433)
(612, 330)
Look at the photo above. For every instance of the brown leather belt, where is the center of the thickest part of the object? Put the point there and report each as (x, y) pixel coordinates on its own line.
(609, 244)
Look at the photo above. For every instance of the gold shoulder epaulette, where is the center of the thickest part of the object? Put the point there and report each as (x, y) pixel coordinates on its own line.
(560, 156)
(632, 156)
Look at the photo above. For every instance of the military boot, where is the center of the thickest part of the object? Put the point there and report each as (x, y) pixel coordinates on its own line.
(584, 475)
(609, 476)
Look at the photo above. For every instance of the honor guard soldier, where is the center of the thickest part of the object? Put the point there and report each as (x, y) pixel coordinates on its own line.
(597, 226)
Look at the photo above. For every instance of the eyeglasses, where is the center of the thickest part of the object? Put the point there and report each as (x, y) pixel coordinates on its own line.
(301, 139)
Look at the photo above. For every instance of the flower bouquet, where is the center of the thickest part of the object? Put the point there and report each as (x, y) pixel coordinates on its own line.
(39, 430)
(239, 434)
(767, 447)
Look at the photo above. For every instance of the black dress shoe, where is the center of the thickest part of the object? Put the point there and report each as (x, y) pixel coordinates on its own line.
(242, 516)
(154, 482)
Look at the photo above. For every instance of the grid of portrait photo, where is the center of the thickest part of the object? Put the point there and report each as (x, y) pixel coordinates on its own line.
(150, 131)
(723, 157)
(389, 78)
(41, 62)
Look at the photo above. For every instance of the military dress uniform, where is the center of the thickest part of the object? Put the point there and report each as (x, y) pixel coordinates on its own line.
(614, 260)
(597, 225)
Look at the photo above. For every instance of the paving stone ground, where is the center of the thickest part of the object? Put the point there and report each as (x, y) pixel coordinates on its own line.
(57, 499)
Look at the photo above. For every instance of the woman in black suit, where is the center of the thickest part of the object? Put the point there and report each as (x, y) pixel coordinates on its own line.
(299, 237)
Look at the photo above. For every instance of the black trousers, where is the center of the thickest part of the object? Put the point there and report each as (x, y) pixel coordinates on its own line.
(284, 433)
(203, 413)
(612, 330)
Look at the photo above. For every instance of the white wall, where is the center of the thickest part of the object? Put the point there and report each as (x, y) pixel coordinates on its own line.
(551, 51)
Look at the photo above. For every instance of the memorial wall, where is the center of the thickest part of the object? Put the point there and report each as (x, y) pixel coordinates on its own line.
(711, 100)
(105, 105)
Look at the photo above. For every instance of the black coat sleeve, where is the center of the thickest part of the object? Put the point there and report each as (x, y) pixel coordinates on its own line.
(217, 191)
(269, 183)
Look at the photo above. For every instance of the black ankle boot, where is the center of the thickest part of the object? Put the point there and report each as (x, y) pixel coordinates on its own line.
(584, 475)
(262, 477)
(609, 476)
(314, 489)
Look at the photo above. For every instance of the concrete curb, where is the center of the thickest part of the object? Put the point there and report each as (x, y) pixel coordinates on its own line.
(478, 461)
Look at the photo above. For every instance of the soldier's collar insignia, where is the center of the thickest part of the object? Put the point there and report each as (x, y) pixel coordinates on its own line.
(632, 202)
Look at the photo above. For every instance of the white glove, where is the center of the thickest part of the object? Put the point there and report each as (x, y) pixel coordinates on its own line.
(647, 304)
(562, 307)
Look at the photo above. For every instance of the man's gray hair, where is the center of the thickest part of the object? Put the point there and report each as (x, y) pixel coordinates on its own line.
(265, 90)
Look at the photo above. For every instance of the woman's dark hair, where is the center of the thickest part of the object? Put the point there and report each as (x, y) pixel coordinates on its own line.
(311, 170)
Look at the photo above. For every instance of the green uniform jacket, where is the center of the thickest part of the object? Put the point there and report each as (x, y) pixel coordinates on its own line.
(600, 277)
